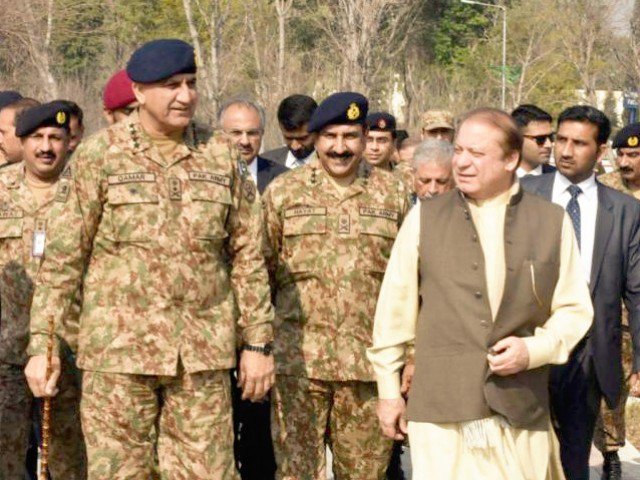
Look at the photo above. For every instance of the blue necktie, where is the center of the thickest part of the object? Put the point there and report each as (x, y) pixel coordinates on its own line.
(573, 209)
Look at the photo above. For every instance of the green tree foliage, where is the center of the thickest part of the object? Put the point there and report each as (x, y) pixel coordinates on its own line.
(458, 28)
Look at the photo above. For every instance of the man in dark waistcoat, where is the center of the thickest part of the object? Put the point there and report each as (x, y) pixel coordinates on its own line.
(486, 280)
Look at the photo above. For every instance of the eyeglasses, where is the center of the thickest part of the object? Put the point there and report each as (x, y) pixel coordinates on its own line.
(541, 139)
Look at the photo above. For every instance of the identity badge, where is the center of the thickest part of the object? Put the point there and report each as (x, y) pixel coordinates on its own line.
(39, 238)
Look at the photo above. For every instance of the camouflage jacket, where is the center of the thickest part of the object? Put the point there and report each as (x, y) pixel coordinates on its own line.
(404, 173)
(20, 216)
(167, 252)
(327, 252)
(615, 181)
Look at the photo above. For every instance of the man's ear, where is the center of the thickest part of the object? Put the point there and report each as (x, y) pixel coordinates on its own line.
(602, 149)
(512, 161)
(138, 91)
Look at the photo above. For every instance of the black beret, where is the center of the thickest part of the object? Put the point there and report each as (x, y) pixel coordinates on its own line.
(159, 59)
(381, 121)
(628, 137)
(50, 114)
(338, 109)
(7, 97)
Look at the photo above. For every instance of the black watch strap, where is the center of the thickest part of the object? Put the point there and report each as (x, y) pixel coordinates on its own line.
(265, 350)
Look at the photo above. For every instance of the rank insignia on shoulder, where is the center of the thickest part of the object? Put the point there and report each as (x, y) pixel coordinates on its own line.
(62, 193)
(249, 190)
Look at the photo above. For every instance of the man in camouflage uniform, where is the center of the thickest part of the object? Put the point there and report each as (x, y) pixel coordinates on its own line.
(32, 195)
(610, 432)
(437, 124)
(330, 228)
(380, 150)
(164, 233)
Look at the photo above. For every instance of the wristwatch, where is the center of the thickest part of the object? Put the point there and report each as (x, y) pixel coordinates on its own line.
(265, 350)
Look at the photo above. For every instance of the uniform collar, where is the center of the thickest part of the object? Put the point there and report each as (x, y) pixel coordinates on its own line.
(140, 141)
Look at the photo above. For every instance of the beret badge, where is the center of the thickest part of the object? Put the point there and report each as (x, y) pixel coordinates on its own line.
(382, 124)
(61, 117)
(353, 113)
(633, 141)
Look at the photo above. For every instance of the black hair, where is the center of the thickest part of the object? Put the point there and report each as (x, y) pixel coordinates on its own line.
(74, 110)
(295, 111)
(588, 114)
(527, 113)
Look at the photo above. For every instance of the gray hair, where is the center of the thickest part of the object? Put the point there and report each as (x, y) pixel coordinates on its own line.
(245, 102)
(433, 150)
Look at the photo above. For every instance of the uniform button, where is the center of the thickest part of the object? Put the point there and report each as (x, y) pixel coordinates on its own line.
(474, 238)
(475, 266)
(478, 294)
(484, 323)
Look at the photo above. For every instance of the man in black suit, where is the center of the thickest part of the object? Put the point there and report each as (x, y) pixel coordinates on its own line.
(294, 114)
(606, 223)
(243, 122)
(536, 127)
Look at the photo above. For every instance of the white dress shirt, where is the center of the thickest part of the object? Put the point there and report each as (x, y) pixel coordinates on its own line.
(521, 172)
(293, 162)
(588, 201)
(253, 169)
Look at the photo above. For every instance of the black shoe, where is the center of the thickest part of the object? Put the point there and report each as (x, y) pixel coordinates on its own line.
(611, 468)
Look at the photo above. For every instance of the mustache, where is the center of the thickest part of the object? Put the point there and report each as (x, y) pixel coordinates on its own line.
(342, 156)
(46, 154)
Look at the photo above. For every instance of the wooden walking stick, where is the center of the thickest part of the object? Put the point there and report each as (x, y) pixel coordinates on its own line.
(46, 410)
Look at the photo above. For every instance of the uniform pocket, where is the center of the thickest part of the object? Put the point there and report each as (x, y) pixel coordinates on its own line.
(304, 230)
(209, 205)
(378, 231)
(134, 210)
(11, 226)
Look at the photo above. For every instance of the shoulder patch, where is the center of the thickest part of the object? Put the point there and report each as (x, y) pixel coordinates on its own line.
(249, 190)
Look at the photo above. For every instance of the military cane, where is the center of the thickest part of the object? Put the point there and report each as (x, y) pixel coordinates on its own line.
(46, 411)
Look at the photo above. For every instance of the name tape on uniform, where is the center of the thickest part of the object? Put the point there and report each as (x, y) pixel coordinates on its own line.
(379, 213)
(304, 211)
(7, 213)
(131, 178)
(218, 178)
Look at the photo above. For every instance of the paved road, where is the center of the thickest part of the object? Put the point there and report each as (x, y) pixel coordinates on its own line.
(630, 463)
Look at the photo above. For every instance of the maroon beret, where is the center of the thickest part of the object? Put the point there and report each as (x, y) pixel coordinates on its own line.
(118, 92)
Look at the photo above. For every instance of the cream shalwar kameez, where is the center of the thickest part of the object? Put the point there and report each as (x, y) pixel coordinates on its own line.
(440, 451)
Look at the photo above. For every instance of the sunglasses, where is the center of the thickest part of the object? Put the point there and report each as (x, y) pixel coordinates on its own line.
(541, 139)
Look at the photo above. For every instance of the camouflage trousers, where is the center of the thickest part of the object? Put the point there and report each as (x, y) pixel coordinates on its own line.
(610, 432)
(310, 414)
(142, 427)
(67, 455)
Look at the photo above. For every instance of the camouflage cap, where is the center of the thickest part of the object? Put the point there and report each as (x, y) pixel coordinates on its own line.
(432, 119)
